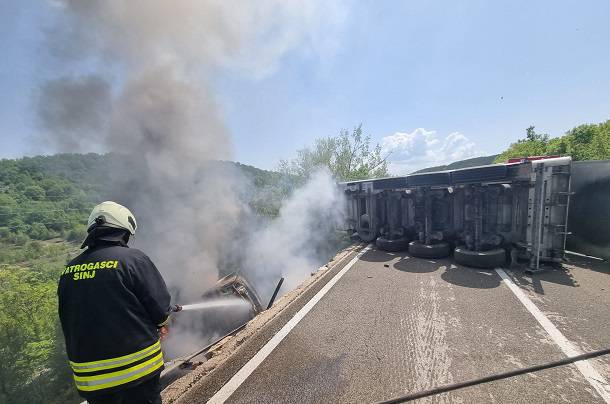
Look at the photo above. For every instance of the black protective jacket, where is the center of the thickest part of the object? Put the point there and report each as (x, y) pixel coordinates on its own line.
(112, 300)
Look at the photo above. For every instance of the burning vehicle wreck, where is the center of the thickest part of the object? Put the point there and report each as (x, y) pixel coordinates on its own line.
(485, 215)
(228, 306)
(231, 303)
(234, 285)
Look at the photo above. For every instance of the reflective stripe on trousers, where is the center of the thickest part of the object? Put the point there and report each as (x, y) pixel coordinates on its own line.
(116, 371)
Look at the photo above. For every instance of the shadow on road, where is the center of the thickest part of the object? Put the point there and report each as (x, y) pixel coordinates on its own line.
(589, 263)
(454, 274)
(470, 277)
(416, 265)
(560, 275)
(479, 278)
(375, 255)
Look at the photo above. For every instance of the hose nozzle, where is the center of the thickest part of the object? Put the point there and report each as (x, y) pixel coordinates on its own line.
(176, 308)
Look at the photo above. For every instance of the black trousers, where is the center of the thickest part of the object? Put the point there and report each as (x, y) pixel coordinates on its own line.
(148, 392)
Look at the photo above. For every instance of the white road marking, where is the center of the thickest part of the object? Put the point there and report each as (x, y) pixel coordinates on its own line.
(595, 379)
(229, 388)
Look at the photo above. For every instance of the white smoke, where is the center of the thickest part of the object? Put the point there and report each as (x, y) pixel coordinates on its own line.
(299, 239)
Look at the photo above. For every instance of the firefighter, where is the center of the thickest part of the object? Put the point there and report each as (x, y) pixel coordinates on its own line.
(114, 307)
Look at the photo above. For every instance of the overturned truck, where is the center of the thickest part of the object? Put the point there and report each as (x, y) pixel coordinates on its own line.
(483, 215)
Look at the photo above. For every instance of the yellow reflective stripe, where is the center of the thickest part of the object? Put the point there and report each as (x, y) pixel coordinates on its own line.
(95, 368)
(119, 372)
(158, 343)
(93, 387)
(118, 383)
(99, 384)
(114, 362)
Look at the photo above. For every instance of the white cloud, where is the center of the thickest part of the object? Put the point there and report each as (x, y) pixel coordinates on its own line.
(424, 148)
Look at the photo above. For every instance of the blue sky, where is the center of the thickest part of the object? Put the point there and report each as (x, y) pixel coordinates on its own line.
(431, 81)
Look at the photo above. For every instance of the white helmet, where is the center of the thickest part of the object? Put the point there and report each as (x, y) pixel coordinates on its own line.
(111, 214)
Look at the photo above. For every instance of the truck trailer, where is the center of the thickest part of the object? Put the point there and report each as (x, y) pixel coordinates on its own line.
(484, 215)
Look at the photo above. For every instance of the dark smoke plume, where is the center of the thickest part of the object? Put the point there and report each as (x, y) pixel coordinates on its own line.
(149, 101)
(80, 115)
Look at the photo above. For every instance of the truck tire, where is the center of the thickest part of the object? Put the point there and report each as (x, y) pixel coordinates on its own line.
(480, 259)
(399, 244)
(438, 250)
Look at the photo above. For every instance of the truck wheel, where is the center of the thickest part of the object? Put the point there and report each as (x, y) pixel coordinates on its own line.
(480, 259)
(438, 250)
(399, 244)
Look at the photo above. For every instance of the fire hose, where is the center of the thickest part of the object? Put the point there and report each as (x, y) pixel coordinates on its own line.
(498, 376)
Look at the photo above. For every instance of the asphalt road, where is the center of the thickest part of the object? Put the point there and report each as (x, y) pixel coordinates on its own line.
(394, 325)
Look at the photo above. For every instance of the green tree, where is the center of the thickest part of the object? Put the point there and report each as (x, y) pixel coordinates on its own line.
(601, 141)
(534, 144)
(34, 366)
(589, 142)
(532, 136)
(584, 142)
(557, 146)
(7, 208)
(77, 234)
(348, 156)
(26, 329)
(34, 192)
(39, 231)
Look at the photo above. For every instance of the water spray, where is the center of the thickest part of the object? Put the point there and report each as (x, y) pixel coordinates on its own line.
(224, 302)
(211, 304)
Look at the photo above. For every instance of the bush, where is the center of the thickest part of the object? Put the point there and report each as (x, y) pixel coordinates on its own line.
(39, 231)
(33, 364)
(34, 192)
(5, 233)
(7, 209)
(19, 238)
(78, 233)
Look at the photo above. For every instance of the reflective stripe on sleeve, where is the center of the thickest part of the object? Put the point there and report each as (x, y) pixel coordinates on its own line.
(114, 362)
